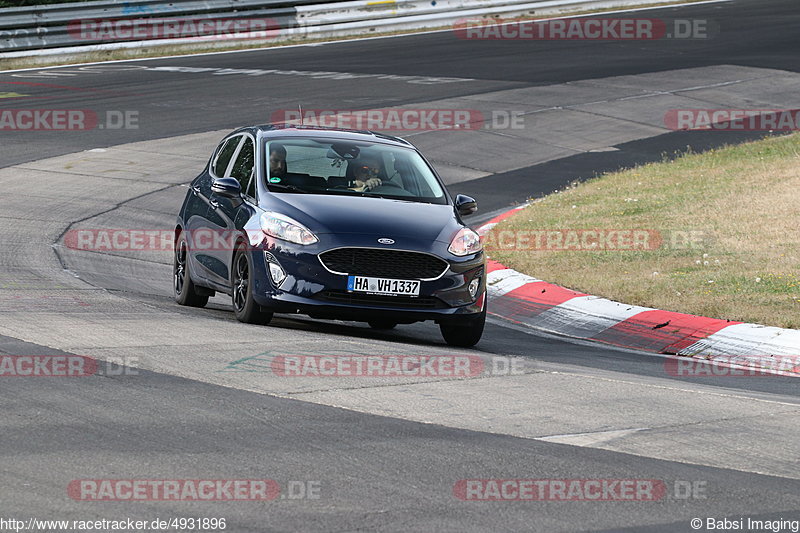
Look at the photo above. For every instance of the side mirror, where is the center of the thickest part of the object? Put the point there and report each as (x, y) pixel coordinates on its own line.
(226, 187)
(465, 205)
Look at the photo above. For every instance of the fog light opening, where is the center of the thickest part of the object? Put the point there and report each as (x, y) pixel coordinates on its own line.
(473, 287)
(276, 272)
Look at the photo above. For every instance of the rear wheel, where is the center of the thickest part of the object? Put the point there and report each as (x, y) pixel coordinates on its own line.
(382, 324)
(184, 288)
(464, 334)
(244, 306)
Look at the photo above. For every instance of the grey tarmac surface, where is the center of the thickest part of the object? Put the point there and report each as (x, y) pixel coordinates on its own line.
(202, 403)
(373, 473)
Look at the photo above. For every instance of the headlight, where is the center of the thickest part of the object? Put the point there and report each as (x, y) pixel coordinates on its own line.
(283, 227)
(465, 242)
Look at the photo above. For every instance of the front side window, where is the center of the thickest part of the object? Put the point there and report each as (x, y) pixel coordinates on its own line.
(225, 154)
(243, 167)
(327, 166)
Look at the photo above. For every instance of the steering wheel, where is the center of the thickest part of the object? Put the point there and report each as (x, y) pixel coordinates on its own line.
(389, 184)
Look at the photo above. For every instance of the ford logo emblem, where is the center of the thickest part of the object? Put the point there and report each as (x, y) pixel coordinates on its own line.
(386, 241)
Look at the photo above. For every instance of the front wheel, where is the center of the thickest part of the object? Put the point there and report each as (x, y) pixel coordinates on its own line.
(464, 334)
(244, 306)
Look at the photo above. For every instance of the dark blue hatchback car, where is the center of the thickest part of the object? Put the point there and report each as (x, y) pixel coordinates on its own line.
(335, 224)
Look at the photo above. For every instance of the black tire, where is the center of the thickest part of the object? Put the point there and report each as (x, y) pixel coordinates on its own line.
(244, 306)
(382, 324)
(182, 285)
(464, 334)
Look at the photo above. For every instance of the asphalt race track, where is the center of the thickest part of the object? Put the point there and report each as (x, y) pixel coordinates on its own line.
(192, 396)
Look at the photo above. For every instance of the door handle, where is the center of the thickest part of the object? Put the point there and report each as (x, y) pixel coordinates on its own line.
(214, 203)
(196, 190)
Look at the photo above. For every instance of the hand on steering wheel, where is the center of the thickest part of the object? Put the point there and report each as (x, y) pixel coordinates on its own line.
(367, 185)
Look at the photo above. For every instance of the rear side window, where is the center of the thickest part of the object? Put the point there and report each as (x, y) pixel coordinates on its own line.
(244, 165)
(224, 155)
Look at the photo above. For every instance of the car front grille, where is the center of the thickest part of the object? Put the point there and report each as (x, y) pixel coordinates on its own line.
(378, 263)
(376, 300)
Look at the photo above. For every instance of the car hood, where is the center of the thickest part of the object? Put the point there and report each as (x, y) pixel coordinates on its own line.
(381, 217)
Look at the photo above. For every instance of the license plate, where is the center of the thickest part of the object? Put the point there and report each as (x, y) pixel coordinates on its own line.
(394, 287)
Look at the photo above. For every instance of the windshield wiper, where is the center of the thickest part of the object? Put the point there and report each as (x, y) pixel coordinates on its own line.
(283, 187)
(348, 192)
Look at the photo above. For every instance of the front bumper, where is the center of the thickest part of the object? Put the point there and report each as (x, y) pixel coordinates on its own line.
(309, 288)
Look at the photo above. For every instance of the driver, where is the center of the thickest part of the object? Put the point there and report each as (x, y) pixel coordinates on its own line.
(366, 174)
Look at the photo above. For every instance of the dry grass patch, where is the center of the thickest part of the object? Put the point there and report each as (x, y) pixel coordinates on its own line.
(742, 202)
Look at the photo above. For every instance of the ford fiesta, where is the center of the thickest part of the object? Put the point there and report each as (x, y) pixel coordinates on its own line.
(335, 224)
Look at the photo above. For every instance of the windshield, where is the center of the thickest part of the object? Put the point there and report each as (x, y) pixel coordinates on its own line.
(329, 166)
